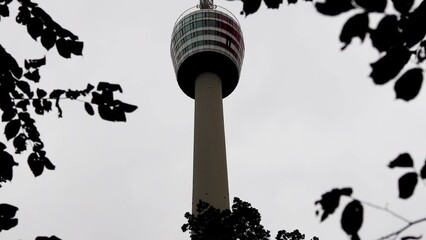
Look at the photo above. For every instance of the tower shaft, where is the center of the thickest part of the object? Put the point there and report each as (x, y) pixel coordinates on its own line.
(210, 179)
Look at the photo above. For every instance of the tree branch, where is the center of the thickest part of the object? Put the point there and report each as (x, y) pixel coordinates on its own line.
(396, 233)
(385, 209)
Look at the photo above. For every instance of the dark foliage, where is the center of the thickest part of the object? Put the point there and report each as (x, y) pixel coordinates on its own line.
(242, 223)
(352, 218)
(330, 201)
(399, 36)
(20, 98)
(7, 214)
(353, 213)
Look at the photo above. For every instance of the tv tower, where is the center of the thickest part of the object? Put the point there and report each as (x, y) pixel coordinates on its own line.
(207, 51)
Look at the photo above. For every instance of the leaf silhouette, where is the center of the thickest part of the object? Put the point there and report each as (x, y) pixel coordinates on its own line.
(372, 6)
(48, 38)
(63, 47)
(36, 165)
(411, 238)
(334, 7)
(412, 27)
(330, 201)
(403, 160)
(407, 184)
(89, 108)
(35, 27)
(35, 63)
(250, 6)
(7, 214)
(387, 34)
(423, 171)
(19, 142)
(408, 85)
(47, 238)
(356, 26)
(8, 115)
(403, 6)
(4, 10)
(33, 75)
(352, 218)
(273, 3)
(12, 128)
(6, 166)
(387, 67)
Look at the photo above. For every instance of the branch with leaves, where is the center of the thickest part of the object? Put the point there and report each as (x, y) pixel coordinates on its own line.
(352, 216)
(399, 37)
(20, 98)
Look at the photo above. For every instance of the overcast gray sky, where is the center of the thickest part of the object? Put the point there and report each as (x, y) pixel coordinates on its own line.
(304, 118)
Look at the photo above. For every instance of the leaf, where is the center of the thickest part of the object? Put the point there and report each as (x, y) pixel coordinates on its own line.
(356, 26)
(8, 115)
(127, 107)
(2, 146)
(423, 171)
(63, 47)
(35, 63)
(48, 238)
(403, 6)
(36, 165)
(56, 93)
(25, 88)
(403, 160)
(4, 10)
(7, 214)
(39, 109)
(76, 47)
(23, 104)
(273, 3)
(48, 38)
(388, 67)
(47, 105)
(23, 15)
(12, 128)
(352, 218)
(19, 142)
(111, 113)
(34, 75)
(334, 7)
(372, 5)
(250, 6)
(407, 184)
(48, 164)
(411, 237)
(387, 34)
(408, 86)
(35, 27)
(330, 201)
(89, 108)
(105, 86)
(412, 27)
(6, 166)
(41, 93)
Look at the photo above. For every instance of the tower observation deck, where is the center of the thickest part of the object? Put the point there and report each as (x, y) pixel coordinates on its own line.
(207, 51)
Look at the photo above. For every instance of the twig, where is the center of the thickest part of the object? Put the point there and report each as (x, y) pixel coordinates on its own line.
(385, 209)
(396, 233)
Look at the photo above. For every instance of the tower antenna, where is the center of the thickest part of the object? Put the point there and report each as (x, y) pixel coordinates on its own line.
(206, 4)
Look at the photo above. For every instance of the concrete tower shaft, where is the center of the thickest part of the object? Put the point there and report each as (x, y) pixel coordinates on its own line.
(207, 50)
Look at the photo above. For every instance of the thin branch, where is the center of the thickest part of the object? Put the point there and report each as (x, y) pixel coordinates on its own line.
(396, 233)
(385, 209)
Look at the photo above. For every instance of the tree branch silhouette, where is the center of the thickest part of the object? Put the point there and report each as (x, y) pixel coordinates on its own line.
(18, 93)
